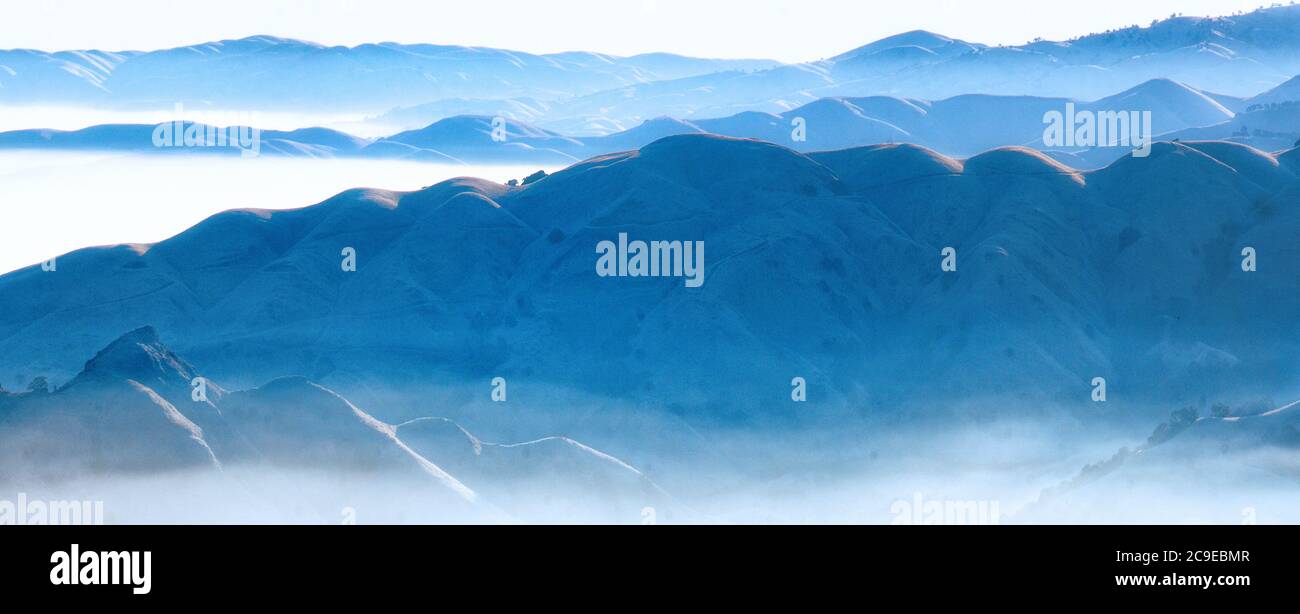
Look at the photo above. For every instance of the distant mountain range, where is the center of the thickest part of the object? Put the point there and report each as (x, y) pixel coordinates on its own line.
(960, 126)
(1238, 55)
(590, 93)
(824, 266)
(270, 73)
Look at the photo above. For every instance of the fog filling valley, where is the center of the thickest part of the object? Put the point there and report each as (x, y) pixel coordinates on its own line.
(994, 473)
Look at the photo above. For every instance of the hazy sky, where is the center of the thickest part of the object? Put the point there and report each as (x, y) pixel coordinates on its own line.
(790, 30)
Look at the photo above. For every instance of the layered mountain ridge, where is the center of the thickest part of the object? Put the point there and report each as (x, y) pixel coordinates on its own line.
(960, 126)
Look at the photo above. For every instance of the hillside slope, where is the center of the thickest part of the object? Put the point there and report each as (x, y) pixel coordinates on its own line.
(824, 266)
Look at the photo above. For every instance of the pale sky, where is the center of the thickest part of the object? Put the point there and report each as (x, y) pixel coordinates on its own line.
(787, 30)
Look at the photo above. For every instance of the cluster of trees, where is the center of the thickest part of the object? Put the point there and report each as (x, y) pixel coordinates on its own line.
(1182, 419)
(1179, 421)
(1272, 106)
(38, 385)
(527, 180)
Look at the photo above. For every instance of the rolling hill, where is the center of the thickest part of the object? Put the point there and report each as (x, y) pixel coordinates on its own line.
(132, 411)
(824, 266)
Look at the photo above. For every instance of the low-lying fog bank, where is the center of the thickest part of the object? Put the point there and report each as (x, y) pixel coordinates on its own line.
(54, 203)
(999, 472)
